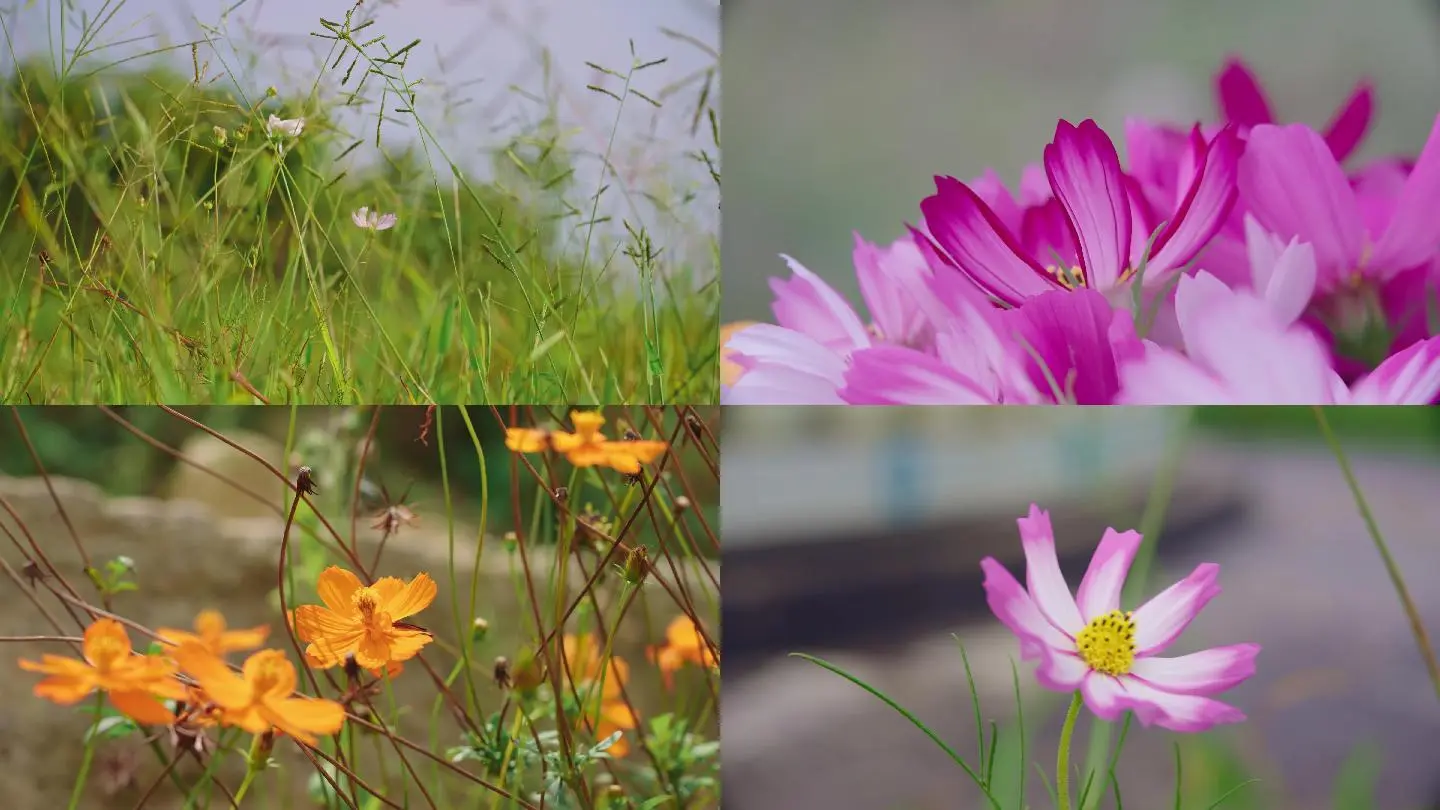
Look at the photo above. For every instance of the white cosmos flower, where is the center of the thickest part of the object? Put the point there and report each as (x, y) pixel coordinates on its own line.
(373, 220)
(285, 126)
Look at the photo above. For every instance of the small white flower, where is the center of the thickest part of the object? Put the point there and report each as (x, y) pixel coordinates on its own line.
(373, 220)
(285, 126)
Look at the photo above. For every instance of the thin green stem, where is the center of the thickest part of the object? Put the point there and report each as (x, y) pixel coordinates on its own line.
(89, 756)
(1417, 627)
(1062, 757)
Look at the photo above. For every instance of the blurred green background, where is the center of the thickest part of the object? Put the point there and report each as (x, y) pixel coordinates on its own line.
(86, 443)
(838, 114)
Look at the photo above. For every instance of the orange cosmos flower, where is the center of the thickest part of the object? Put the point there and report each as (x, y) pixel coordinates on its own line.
(133, 682)
(211, 633)
(263, 696)
(683, 644)
(587, 446)
(364, 620)
(527, 440)
(582, 655)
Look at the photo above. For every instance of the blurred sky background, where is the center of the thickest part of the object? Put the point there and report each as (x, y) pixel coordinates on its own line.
(840, 113)
(855, 534)
(484, 53)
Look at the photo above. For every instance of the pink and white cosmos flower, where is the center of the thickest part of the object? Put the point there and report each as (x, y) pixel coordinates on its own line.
(1087, 643)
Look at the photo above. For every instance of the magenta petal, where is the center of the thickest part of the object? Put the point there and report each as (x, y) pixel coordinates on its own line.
(1068, 339)
(1084, 171)
(965, 227)
(1413, 235)
(1348, 127)
(1045, 231)
(1015, 608)
(896, 375)
(992, 191)
(1203, 211)
(1408, 377)
(783, 366)
(1290, 182)
(1242, 101)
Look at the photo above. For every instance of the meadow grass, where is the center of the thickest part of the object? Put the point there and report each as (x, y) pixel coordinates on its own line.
(555, 677)
(162, 243)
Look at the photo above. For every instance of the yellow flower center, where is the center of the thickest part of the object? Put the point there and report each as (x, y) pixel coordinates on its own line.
(1107, 644)
(1069, 277)
(366, 600)
(105, 652)
(270, 674)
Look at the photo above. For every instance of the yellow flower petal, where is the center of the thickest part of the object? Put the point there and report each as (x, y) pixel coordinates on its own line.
(335, 587)
(526, 440)
(400, 599)
(224, 687)
(142, 707)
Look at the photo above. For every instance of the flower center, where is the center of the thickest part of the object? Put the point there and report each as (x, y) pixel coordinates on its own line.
(366, 599)
(268, 675)
(106, 652)
(1355, 313)
(1068, 277)
(1107, 644)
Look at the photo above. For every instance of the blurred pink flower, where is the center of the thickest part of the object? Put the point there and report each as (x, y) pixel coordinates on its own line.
(1087, 643)
(1242, 102)
(373, 220)
(1238, 350)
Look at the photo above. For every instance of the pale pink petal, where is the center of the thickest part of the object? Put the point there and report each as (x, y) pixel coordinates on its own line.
(1413, 235)
(1159, 621)
(1283, 274)
(1084, 171)
(1242, 101)
(1034, 186)
(1061, 671)
(1042, 572)
(1176, 712)
(1202, 212)
(1347, 128)
(783, 366)
(805, 303)
(898, 375)
(1207, 672)
(1104, 696)
(1165, 377)
(1235, 336)
(1099, 591)
(1290, 181)
(1015, 609)
(1408, 377)
(891, 281)
(980, 245)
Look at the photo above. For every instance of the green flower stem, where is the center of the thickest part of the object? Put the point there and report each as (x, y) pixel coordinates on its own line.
(89, 756)
(255, 763)
(1417, 627)
(1062, 758)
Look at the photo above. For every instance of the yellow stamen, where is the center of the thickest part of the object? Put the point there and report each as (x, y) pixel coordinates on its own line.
(1107, 644)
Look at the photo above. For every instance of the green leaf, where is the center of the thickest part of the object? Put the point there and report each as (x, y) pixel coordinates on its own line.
(1355, 783)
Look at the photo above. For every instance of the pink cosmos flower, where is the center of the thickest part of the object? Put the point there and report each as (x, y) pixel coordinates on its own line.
(802, 358)
(1242, 102)
(1094, 231)
(1086, 642)
(1238, 350)
(363, 217)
